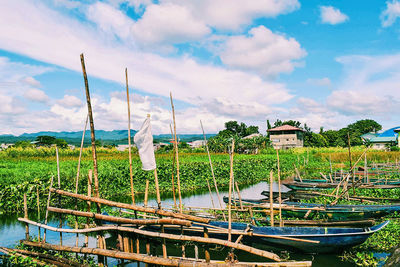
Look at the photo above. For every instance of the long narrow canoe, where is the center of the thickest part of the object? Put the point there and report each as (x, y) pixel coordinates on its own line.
(326, 212)
(331, 239)
(328, 239)
(319, 186)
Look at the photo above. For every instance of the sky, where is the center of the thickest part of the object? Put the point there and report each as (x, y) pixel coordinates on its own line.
(324, 63)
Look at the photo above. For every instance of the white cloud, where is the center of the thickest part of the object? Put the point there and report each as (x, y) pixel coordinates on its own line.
(320, 82)
(262, 51)
(391, 13)
(36, 95)
(31, 81)
(232, 14)
(370, 86)
(110, 20)
(148, 72)
(70, 101)
(332, 15)
(168, 23)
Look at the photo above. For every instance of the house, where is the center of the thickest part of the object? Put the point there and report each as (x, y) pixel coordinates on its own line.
(383, 140)
(197, 143)
(252, 136)
(286, 136)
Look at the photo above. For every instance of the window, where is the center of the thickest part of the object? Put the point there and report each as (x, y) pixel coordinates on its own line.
(275, 140)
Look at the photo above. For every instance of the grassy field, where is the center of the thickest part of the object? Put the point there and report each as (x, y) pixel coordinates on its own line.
(24, 170)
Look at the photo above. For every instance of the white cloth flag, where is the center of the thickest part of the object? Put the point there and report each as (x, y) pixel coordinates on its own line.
(144, 142)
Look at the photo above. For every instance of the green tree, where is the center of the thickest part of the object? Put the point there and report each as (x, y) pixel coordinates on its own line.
(365, 126)
(61, 143)
(23, 144)
(45, 140)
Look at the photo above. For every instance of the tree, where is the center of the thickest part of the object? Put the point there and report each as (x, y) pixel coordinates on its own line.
(45, 140)
(289, 122)
(61, 143)
(23, 144)
(365, 126)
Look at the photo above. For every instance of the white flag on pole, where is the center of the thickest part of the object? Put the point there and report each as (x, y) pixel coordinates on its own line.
(144, 142)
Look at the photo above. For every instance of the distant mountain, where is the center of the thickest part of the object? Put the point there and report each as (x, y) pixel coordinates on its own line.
(100, 134)
(107, 137)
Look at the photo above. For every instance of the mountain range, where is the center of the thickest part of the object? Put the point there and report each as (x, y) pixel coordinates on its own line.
(107, 137)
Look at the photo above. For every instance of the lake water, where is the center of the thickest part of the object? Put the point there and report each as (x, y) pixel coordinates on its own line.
(11, 230)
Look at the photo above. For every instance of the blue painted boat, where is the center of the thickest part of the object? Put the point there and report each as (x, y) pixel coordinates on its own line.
(331, 239)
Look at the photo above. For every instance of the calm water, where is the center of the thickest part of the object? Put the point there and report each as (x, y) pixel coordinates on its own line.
(11, 230)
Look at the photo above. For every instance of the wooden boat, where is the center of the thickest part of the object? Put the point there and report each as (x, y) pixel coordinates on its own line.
(328, 239)
(331, 239)
(293, 185)
(327, 212)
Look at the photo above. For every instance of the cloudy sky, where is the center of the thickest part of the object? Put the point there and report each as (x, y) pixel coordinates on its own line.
(325, 63)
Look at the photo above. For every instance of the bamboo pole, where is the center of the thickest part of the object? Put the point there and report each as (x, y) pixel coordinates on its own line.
(151, 259)
(366, 168)
(92, 133)
(212, 169)
(89, 192)
(254, 251)
(173, 168)
(348, 140)
(38, 209)
(279, 188)
(120, 219)
(59, 197)
(94, 154)
(240, 198)
(47, 207)
(78, 173)
(146, 193)
(132, 207)
(206, 252)
(271, 198)
(129, 136)
(230, 192)
(157, 189)
(176, 156)
(26, 217)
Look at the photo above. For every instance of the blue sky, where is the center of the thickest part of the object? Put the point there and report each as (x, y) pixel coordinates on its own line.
(325, 63)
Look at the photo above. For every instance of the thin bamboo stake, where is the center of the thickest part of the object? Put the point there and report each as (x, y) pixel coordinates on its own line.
(38, 209)
(348, 140)
(366, 167)
(77, 175)
(89, 192)
(173, 168)
(330, 162)
(59, 197)
(157, 189)
(176, 156)
(146, 193)
(26, 217)
(240, 198)
(230, 192)
(129, 136)
(212, 169)
(271, 198)
(279, 188)
(47, 207)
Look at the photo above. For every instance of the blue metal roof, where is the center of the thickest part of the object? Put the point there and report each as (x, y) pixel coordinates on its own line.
(389, 132)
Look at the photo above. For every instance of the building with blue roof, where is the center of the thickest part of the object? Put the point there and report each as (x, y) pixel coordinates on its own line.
(383, 140)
